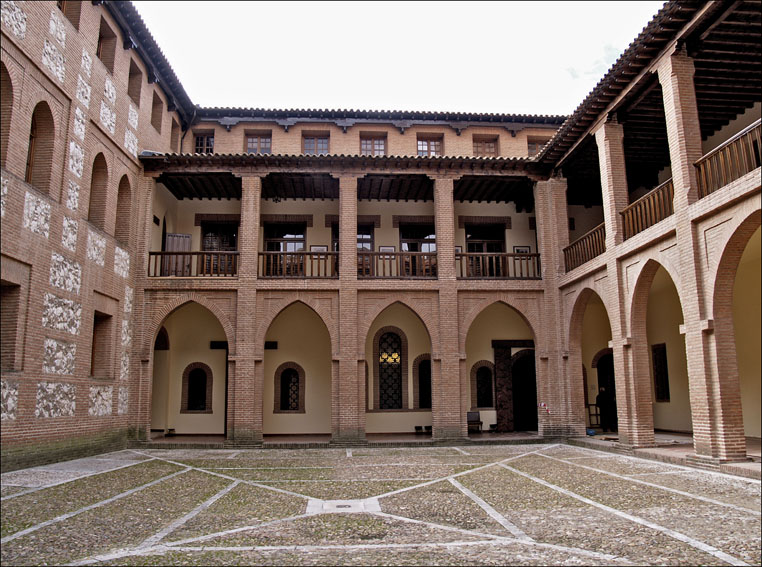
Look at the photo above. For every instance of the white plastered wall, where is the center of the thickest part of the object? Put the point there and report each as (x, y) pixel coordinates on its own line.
(496, 322)
(302, 338)
(746, 320)
(418, 342)
(190, 328)
(663, 319)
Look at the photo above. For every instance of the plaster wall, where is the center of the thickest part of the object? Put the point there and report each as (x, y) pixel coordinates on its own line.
(585, 219)
(746, 319)
(596, 334)
(302, 338)
(663, 320)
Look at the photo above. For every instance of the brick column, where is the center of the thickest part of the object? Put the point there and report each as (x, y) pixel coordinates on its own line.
(564, 398)
(613, 179)
(447, 414)
(348, 407)
(243, 403)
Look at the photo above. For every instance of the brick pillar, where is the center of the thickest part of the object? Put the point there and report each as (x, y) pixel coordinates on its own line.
(446, 408)
(613, 179)
(558, 386)
(348, 408)
(717, 427)
(243, 404)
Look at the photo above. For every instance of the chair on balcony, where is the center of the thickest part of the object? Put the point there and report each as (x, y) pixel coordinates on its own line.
(474, 420)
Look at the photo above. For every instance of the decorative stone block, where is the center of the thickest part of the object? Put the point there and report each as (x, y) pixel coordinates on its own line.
(83, 92)
(61, 314)
(128, 295)
(13, 18)
(108, 117)
(124, 400)
(72, 196)
(69, 234)
(9, 399)
(121, 262)
(80, 122)
(3, 195)
(131, 142)
(65, 274)
(96, 248)
(87, 63)
(57, 28)
(36, 215)
(109, 91)
(124, 367)
(58, 357)
(126, 333)
(55, 399)
(76, 158)
(54, 60)
(100, 400)
(132, 117)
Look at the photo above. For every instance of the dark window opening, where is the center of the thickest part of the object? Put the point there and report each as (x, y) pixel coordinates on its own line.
(484, 388)
(10, 304)
(289, 390)
(661, 372)
(157, 112)
(134, 82)
(197, 390)
(424, 384)
(106, 50)
(100, 353)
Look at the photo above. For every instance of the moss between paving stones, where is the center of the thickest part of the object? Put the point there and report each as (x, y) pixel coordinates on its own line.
(722, 488)
(8, 490)
(119, 524)
(244, 505)
(30, 509)
(341, 529)
(342, 490)
(444, 504)
(551, 517)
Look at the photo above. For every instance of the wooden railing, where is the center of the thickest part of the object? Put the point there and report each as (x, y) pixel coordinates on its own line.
(654, 206)
(730, 161)
(586, 247)
(298, 264)
(401, 265)
(497, 266)
(192, 264)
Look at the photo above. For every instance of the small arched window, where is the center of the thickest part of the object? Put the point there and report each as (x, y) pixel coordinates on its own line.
(197, 389)
(98, 192)
(123, 206)
(484, 387)
(288, 391)
(422, 381)
(390, 371)
(39, 160)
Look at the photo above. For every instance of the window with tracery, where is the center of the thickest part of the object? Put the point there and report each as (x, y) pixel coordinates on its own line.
(390, 371)
(288, 395)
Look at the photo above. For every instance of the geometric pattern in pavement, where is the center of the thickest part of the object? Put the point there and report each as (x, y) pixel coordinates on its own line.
(486, 505)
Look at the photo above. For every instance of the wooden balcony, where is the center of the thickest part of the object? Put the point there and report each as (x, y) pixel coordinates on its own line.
(654, 206)
(396, 265)
(730, 161)
(586, 247)
(192, 264)
(301, 265)
(486, 266)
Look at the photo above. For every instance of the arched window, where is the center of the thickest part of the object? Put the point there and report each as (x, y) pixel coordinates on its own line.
(39, 159)
(422, 381)
(197, 389)
(390, 371)
(98, 192)
(123, 206)
(6, 108)
(483, 385)
(288, 391)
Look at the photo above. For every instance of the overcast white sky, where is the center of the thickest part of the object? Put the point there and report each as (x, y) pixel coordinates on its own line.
(512, 57)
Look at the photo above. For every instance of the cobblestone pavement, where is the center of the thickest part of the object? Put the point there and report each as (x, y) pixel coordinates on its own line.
(469, 505)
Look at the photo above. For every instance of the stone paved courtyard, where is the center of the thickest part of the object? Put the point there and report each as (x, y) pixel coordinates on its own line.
(483, 505)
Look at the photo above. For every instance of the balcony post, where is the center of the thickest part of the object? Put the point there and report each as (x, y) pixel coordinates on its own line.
(347, 406)
(566, 404)
(683, 127)
(609, 137)
(244, 427)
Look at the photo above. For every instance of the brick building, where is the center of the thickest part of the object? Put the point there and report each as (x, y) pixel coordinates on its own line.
(248, 273)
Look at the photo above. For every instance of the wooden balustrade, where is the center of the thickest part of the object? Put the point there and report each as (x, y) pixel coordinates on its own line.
(654, 206)
(730, 161)
(304, 265)
(586, 247)
(401, 265)
(497, 266)
(192, 264)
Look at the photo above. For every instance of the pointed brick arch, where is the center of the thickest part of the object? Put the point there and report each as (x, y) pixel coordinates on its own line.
(273, 311)
(175, 304)
(365, 324)
(482, 307)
